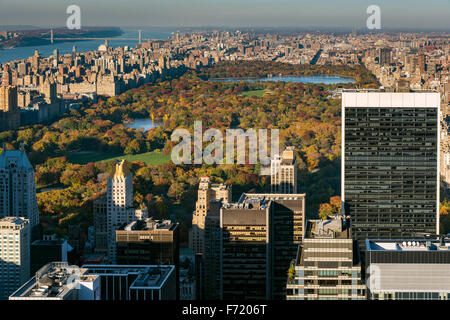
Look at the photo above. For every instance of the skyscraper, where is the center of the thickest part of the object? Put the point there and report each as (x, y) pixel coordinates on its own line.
(204, 236)
(286, 233)
(101, 225)
(9, 112)
(14, 254)
(120, 204)
(246, 267)
(385, 56)
(207, 192)
(260, 235)
(17, 186)
(149, 242)
(283, 172)
(390, 164)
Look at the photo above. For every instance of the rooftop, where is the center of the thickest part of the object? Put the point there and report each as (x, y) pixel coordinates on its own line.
(17, 222)
(121, 169)
(334, 227)
(149, 224)
(148, 276)
(54, 280)
(14, 159)
(379, 99)
(407, 245)
(271, 196)
(248, 203)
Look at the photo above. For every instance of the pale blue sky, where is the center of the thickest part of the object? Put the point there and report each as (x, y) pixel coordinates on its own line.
(421, 14)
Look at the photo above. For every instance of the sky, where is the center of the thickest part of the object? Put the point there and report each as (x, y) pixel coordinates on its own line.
(395, 14)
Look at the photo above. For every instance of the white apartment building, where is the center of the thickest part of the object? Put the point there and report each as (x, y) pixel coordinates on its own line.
(120, 209)
(283, 172)
(14, 254)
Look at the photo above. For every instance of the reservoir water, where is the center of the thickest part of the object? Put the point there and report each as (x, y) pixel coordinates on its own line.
(145, 124)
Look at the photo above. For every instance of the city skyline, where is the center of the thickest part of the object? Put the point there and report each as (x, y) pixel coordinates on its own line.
(255, 13)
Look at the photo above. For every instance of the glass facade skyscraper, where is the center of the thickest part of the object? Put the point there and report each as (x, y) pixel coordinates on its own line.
(390, 163)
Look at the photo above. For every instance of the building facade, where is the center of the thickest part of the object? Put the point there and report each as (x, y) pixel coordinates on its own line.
(9, 112)
(287, 232)
(15, 236)
(47, 251)
(149, 242)
(119, 202)
(101, 225)
(246, 266)
(415, 269)
(283, 172)
(207, 192)
(204, 236)
(390, 164)
(17, 186)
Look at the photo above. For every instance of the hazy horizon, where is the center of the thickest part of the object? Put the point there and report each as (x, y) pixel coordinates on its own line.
(350, 14)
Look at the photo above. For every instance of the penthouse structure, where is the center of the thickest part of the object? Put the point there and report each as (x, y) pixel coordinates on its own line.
(327, 266)
(415, 269)
(390, 164)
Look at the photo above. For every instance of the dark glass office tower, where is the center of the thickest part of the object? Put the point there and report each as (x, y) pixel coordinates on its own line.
(390, 163)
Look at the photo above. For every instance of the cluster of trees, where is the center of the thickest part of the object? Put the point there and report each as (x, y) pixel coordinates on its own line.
(307, 118)
(330, 208)
(257, 69)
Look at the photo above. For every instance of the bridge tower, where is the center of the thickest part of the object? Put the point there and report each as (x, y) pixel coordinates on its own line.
(51, 36)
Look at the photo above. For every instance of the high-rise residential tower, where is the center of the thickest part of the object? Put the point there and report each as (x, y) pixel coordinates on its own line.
(9, 112)
(246, 266)
(260, 235)
(17, 186)
(207, 193)
(283, 172)
(15, 236)
(287, 232)
(390, 163)
(385, 56)
(204, 237)
(149, 242)
(119, 198)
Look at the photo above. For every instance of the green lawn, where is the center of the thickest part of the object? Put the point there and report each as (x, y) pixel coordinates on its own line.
(149, 158)
(254, 93)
